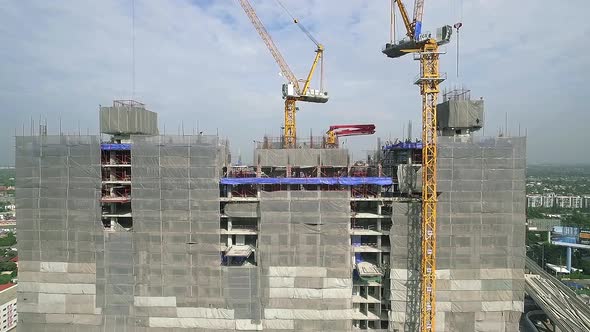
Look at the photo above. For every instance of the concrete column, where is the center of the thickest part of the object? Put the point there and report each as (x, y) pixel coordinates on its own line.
(568, 260)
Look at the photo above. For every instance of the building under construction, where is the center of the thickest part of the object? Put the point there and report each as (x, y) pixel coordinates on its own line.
(148, 232)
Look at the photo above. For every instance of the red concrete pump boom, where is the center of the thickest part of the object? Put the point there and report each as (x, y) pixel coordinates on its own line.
(336, 131)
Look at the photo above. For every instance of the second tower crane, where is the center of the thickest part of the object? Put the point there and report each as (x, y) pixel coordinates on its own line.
(293, 91)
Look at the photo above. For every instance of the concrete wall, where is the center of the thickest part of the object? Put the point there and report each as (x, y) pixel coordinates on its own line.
(301, 157)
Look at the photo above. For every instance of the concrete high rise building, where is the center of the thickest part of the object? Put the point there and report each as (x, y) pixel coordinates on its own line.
(146, 232)
(480, 227)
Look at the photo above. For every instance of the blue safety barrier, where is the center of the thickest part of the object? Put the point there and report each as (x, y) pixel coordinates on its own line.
(404, 146)
(344, 181)
(115, 146)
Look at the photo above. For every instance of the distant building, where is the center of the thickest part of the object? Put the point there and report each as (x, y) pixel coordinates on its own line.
(542, 225)
(564, 202)
(587, 201)
(9, 317)
(534, 201)
(4, 190)
(577, 202)
(548, 200)
(569, 202)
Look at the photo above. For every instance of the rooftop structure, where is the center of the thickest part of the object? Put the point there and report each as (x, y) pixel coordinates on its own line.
(458, 114)
(128, 117)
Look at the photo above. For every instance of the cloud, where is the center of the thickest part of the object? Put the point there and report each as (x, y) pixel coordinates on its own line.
(203, 61)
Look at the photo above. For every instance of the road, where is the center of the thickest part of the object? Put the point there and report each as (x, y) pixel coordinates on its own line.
(561, 304)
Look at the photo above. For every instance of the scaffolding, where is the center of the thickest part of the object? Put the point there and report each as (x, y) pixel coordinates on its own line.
(60, 233)
(480, 244)
(301, 240)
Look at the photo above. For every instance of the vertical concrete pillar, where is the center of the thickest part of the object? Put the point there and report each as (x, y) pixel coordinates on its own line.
(568, 260)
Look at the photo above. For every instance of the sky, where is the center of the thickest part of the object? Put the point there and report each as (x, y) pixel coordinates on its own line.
(200, 63)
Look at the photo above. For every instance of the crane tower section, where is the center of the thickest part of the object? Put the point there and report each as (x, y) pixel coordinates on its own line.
(425, 48)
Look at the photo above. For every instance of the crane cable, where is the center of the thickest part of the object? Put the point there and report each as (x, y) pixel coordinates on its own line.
(310, 36)
(457, 26)
(296, 21)
(133, 49)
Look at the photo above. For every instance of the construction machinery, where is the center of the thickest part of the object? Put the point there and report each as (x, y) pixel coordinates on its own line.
(293, 91)
(336, 131)
(425, 48)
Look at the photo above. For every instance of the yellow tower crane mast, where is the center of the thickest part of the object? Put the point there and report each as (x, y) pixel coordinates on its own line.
(292, 91)
(425, 48)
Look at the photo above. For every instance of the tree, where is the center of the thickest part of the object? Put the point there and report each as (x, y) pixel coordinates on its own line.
(533, 213)
(8, 240)
(10, 254)
(585, 265)
(535, 237)
(577, 219)
(547, 253)
(7, 266)
(5, 278)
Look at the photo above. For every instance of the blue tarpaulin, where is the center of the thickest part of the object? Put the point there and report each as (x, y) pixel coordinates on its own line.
(358, 258)
(344, 181)
(115, 146)
(403, 145)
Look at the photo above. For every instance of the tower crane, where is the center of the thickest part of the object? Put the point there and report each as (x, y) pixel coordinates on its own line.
(425, 48)
(336, 131)
(293, 91)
